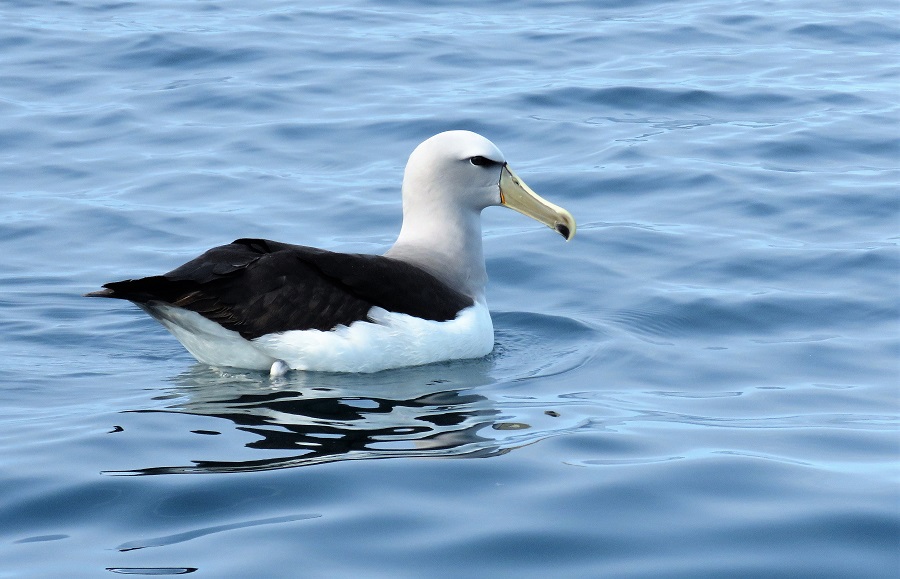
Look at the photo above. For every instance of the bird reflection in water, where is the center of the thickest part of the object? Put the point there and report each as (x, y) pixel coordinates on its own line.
(313, 418)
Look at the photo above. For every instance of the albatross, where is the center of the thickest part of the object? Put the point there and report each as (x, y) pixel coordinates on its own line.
(265, 305)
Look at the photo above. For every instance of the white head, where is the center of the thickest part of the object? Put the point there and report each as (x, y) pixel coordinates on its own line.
(449, 179)
(455, 168)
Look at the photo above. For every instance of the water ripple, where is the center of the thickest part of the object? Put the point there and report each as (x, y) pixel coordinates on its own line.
(710, 366)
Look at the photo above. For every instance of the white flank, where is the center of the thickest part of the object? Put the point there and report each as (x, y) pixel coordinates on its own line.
(392, 341)
(206, 340)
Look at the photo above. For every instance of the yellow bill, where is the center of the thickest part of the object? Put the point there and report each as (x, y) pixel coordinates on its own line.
(515, 194)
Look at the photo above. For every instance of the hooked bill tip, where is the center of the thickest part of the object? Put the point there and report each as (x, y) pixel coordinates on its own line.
(563, 230)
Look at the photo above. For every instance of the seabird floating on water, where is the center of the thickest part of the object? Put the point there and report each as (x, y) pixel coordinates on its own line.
(266, 305)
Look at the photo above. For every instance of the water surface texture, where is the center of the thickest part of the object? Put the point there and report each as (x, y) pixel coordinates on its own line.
(704, 382)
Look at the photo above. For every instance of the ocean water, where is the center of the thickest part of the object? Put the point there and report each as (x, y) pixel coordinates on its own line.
(702, 383)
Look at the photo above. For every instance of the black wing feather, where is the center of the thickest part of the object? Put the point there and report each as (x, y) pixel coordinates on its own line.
(257, 287)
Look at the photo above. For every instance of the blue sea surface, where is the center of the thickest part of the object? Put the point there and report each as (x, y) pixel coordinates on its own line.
(705, 382)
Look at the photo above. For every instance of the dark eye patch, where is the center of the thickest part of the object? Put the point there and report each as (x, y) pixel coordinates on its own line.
(480, 161)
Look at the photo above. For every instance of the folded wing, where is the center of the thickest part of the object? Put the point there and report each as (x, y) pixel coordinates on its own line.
(257, 287)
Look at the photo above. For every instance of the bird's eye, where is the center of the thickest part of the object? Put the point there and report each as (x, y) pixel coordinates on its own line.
(480, 161)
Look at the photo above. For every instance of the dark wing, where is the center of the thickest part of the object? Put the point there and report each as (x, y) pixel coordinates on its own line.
(257, 287)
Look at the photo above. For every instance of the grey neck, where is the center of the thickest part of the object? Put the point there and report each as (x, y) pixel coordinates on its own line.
(451, 250)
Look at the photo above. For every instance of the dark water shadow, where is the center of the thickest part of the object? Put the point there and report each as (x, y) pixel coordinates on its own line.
(453, 409)
(314, 418)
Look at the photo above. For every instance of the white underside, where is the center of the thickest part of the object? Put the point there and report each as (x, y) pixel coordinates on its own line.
(392, 341)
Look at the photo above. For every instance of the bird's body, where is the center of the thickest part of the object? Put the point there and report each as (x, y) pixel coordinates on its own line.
(267, 305)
